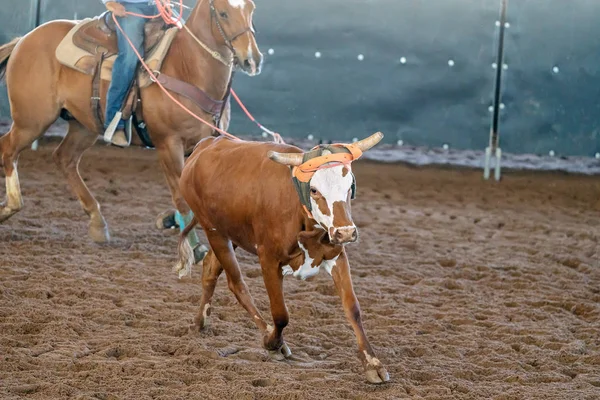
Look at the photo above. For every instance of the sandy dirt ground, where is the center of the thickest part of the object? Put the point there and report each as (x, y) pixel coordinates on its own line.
(469, 290)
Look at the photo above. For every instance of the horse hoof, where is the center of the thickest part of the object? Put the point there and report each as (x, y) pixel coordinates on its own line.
(280, 354)
(166, 220)
(285, 350)
(6, 213)
(99, 234)
(377, 375)
(199, 253)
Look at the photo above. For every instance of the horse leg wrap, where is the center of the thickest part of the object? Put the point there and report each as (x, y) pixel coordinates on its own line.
(199, 250)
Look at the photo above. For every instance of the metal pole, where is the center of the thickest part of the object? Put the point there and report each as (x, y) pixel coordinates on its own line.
(494, 129)
(38, 15)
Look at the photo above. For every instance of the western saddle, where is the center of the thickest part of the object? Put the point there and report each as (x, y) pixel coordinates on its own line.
(99, 35)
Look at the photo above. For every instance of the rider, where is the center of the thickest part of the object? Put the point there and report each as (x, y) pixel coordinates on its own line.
(125, 66)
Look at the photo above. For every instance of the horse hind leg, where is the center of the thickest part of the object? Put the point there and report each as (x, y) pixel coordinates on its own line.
(11, 145)
(67, 156)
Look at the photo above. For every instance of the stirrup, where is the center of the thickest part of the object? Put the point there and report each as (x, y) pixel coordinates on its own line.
(128, 130)
(112, 127)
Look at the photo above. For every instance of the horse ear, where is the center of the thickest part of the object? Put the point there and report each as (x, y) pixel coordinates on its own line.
(369, 142)
(292, 159)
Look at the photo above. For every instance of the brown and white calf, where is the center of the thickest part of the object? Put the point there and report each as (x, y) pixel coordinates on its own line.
(243, 195)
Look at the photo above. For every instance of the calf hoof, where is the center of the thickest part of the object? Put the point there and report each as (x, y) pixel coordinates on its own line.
(99, 234)
(377, 374)
(197, 327)
(280, 354)
(201, 321)
(166, 220)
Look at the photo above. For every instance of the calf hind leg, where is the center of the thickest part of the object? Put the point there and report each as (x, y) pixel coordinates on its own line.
(225, 254)
(211, 270)
(67, 156)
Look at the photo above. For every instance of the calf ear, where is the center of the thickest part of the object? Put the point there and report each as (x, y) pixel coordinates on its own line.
(293, 159)
(369, 142)
(353, 188)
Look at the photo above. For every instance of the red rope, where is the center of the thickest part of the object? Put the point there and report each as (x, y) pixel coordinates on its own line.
(276, 136)
(165, 11)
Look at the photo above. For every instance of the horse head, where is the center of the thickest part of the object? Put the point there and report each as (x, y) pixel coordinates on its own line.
(235, 29)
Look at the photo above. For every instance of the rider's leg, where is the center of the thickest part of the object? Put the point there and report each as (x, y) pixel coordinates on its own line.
(124, 70)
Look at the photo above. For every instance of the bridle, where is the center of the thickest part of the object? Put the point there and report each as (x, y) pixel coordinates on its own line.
(228, 40)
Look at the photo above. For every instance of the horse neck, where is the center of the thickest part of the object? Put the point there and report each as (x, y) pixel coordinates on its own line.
(200, 23)
(195, 65)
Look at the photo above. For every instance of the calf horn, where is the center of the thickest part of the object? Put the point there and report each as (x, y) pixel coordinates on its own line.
(369, 142)
(294, 159)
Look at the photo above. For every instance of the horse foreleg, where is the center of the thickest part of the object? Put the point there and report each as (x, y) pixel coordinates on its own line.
(67, 156)
(168, 219)
(11, 145)
(170, 154)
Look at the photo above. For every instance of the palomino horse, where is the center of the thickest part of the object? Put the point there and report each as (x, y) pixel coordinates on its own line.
(39, 91)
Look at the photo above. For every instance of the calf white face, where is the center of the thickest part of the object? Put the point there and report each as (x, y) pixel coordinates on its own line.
(330, 186)
(330, 193)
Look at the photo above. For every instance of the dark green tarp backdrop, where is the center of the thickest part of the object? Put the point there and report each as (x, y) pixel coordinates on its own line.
(421, 72)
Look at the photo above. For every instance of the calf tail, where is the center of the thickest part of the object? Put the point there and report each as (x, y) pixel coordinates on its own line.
(5, 52)
(186, 253)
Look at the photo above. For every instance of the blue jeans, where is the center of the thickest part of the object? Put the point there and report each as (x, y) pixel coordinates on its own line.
(126, 63)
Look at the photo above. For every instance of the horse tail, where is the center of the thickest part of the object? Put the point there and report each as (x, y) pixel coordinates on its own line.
(5, 52)
(186, 253)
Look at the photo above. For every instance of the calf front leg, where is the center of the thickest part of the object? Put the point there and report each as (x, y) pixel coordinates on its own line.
(273, 338)
(375, 371)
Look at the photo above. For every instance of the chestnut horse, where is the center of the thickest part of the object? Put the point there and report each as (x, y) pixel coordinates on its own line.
(39, 89)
